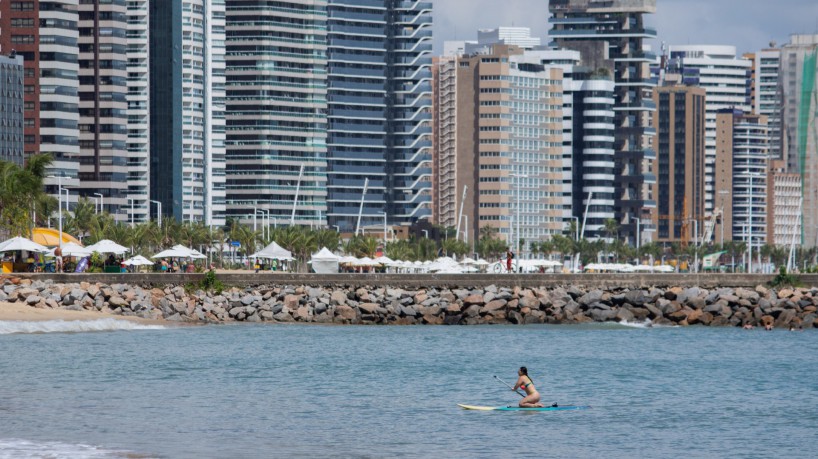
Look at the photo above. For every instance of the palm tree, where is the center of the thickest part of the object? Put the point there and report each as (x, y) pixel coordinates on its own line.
(20, 190)
(611, 228)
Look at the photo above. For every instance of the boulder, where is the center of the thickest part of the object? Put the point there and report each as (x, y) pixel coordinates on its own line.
(594, 296)
(624, 315)
(338, 297)
(432, 319)
(474, 299)
(368, 308)
(636, 297)
(291, 301)
(345, 312)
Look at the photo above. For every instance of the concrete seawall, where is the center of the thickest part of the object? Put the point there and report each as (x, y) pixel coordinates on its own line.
(592, 281)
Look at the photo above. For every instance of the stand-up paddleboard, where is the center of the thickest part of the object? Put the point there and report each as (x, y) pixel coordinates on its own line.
(517, 408)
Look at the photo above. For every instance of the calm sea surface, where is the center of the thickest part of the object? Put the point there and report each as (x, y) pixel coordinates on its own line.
(239, 391)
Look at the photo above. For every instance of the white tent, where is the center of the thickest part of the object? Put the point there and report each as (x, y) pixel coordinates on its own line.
(172, 253)
(20, 243)
(138, 260)
(384, 260)
(365, 261)
(273, 252)
(347, 260)
(108, 246)
(325, 262)
(193, 253)
(73, 250)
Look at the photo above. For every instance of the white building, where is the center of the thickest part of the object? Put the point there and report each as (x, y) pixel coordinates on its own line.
(724, 77)
(138, 146)
(768, 98)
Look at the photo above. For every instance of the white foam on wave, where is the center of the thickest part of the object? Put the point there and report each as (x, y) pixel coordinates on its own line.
(22, 449)
(646, 324)
(72, 326)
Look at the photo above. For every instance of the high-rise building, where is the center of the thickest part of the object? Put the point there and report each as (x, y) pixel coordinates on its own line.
(45, 33)
(517, 36)
(680, 171)
(724, 76)
(797, 78)
(138, 97)
(276, 105)
(103, 104)
(766, 93)
(187, 112)
(379, 112)
(509, 146)
(783, 206)
(741, 169)
(610, 35)
(11, 109)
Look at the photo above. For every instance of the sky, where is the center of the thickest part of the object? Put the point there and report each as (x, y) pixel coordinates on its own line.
(749, 25)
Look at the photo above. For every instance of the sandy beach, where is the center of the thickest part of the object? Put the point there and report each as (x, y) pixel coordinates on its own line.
(23, 312)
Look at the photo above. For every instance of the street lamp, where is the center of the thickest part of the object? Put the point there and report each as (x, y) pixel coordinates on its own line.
(337, 228)
(265, 215)
(59, 196)
(295, 200)
(426, 233)
(96, 204)
(638, 234)
(131, 200)
(574, 259)
(750, 237)
(158, 211)
(517, 217)
(722, 192)
(101, 202)
(384, 227)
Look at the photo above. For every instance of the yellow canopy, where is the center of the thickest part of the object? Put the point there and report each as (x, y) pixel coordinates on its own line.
(50, 237)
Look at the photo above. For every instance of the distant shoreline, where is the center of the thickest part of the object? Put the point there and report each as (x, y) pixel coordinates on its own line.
(21, 312)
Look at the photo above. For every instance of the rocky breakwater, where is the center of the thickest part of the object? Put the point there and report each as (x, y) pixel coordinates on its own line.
(344, 304)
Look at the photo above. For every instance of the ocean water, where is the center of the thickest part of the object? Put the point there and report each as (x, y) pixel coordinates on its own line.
(113, 390)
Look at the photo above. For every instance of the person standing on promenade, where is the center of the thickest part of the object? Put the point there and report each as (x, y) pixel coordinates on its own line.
(532, 397)
(509, 257)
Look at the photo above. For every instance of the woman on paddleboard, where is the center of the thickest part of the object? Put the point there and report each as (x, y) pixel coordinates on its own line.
(532, 398)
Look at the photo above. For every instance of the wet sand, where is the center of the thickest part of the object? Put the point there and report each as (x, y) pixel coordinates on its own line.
(23, 312)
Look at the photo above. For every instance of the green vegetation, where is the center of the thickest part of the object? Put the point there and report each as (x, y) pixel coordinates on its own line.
(784, 279)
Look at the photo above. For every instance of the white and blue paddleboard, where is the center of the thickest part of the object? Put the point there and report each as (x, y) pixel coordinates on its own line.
(517, 408)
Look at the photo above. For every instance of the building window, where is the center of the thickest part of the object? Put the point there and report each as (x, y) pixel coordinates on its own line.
(22, 6)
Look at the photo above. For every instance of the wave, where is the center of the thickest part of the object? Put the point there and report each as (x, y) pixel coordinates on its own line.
(21, 449)
(72, 326)
(646, 324)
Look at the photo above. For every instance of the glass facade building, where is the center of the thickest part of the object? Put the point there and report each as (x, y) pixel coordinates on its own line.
(11, 109)
(379, 109)
(276, 104)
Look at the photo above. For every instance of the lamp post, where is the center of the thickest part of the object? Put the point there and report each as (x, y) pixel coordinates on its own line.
(696, 245)
(59, 196)
(750, 237)
(96, 204)
(384, 227)
(517, 213)
(101, 202)
(295, 200)
(426, 233)
(638, 234)
(131, 200)
(337, 229)
(722, 193)
(265, 215)
(158, 212)
(576, 238)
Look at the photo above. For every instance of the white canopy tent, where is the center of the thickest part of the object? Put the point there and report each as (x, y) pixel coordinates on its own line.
(108, 246)
(273, 252)
(195, 254)
(138, 260)
(325, 262)
(172, 253)
(20, 243)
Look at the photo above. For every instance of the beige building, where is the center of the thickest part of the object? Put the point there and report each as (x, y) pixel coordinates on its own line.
(444, 141)
(508, 147)
(680, 165)
(784, 211)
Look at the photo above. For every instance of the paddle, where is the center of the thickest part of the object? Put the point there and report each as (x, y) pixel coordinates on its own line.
(509, 386)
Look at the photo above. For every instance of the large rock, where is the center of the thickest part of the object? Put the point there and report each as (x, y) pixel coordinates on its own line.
(368, 308)
(625, 315)
(594, 296)
(473, 299)
(338, 297)
(493, 306)
(345, 312)
(636, 297)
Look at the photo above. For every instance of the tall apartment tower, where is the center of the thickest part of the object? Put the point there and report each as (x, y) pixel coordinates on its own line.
(445, 142)
(509, 146)
(379, 112)
(742, 166)
(44, 32)
(797, 79)
(724, 76)
(767, 97)
(11, 113)
(103, 104)
(276, 105)
(187, 112)
(610, 35)
(680, 169)
(138, 52)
